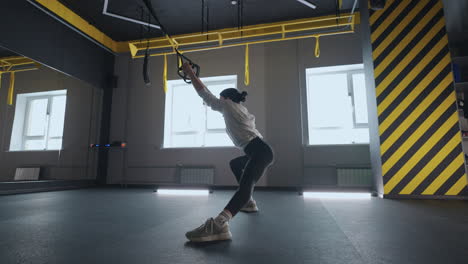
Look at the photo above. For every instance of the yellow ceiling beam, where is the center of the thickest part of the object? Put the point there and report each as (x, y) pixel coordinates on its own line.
(8, 64)
(278, 29)
(219, 36)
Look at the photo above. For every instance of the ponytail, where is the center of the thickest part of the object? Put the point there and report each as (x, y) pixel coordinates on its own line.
(242, 96)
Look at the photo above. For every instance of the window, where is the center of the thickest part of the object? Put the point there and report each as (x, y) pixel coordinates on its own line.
(337, 105)
(190, 123)
(38, 122)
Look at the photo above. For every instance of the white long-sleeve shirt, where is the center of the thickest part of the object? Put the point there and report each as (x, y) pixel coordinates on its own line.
(240, 124)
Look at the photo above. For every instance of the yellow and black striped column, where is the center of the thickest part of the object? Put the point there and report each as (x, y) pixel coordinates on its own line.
(420, 138)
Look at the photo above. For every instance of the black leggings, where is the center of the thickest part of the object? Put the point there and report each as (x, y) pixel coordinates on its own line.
(248, 169)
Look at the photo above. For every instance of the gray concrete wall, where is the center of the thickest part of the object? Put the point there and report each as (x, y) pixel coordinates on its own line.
(73, 162)
(277, 76)
(371, 101)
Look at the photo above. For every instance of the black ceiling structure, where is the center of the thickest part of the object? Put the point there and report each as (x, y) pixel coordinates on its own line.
(6, 53)
(185, 16)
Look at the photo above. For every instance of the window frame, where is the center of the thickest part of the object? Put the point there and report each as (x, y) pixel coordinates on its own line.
(29, 97)
(340, 69)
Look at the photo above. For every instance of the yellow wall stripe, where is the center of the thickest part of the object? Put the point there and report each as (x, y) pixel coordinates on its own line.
(443, 177)
(458, 186)
(420, 153)
(402, 25)
(385, 124)
(431, 165)
(401, 6)
(377, 14)
(416, 49)
(420, 141)
(415, 136)
(414, 72)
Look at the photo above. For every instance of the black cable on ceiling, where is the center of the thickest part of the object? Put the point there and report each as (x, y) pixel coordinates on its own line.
(240, 15)
(202, 17)
(207, 19)
(146, 78)
(337, 10)
(141, 26)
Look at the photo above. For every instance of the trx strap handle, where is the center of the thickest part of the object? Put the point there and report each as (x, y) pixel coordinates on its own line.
(181, 59)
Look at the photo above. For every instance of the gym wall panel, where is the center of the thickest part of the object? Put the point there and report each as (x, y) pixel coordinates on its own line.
(277, 77)
(420, 138)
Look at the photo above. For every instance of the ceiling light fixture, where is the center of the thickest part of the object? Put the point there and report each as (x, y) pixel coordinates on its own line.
(308, 3)
(144, 23)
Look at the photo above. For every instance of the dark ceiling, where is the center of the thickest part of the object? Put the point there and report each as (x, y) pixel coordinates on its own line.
(185, 16)
(6, 53)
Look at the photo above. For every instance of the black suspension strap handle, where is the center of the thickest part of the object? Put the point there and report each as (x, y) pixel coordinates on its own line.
(181, 59)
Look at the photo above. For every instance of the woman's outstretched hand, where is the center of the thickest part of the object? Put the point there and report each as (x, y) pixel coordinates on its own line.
(187, 68)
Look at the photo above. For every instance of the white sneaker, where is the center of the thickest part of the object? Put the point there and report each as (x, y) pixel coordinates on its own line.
(209, 231)
(250, 207)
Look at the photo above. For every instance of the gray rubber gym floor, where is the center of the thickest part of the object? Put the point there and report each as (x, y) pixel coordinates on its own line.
(138, 226)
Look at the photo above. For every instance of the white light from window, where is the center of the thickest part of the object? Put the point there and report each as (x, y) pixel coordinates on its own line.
(39, 121)
(188, 123)
(182, 192)
(336, 195)
(337, 105)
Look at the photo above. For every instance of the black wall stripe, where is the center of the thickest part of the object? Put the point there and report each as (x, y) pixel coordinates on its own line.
(438, 170)
(396, 178)
(419, 99)
(386, 13)
(411, 45)
(418, 144)
(428, 157)
(451, 181)
(416, 20)
(405, 72)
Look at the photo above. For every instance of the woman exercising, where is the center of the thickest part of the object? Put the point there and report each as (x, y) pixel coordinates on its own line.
(240, 126)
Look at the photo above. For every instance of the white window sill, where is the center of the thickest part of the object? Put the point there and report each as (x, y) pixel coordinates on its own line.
(29, 151)
(181, 148)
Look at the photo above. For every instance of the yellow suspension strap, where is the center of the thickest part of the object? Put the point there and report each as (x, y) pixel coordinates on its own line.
(11, 89)
(179, 62)
(165, 74)
(247, 71)
(317, 47)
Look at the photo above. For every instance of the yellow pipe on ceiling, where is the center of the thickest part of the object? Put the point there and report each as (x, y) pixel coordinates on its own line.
(7, 65)
(221, 36)
(270, 29)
